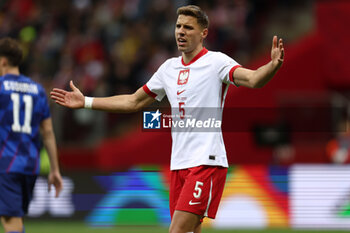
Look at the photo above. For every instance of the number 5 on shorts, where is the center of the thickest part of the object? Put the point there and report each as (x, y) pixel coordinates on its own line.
(197, 190)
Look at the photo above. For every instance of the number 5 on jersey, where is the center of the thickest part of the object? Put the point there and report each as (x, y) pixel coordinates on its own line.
(197, 189)
(182, 110)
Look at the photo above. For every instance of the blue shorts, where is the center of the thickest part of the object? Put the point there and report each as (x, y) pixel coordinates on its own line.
(16, 193)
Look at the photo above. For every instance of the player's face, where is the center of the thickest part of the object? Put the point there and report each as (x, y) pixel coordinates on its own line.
(189, 34)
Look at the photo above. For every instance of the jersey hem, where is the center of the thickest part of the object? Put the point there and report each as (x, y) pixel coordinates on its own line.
(197, 165)
(37, 173)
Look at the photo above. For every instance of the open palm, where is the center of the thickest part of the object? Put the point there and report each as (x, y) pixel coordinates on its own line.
(70, 99)
(277, 51)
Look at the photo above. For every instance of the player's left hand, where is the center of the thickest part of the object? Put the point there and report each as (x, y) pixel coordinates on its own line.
(55, 179)
(277, 52)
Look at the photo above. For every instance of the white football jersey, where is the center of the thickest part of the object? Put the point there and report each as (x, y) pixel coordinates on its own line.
(194, 90)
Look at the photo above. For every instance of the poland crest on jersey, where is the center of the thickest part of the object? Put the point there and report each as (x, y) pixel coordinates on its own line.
(183, 77)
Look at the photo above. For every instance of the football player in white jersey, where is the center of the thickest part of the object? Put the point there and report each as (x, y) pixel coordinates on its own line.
(193, 80)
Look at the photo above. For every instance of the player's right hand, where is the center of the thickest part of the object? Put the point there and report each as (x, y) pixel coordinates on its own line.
(70, 99)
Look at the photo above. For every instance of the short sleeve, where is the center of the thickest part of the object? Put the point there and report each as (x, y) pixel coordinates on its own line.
(45, 108)
(154, 87)
(226, 67)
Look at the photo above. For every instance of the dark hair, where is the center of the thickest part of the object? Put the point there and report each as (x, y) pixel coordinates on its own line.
(12, 50)
(195, 11)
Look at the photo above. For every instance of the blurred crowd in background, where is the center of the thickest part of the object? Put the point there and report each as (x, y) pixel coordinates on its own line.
(110, 47)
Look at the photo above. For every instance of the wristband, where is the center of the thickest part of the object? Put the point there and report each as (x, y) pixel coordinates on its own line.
(88, 102)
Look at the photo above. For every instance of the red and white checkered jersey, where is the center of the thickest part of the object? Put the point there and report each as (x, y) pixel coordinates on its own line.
(195, 89)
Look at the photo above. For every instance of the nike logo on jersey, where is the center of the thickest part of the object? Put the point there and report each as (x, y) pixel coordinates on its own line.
(180, 92)
(194, 203)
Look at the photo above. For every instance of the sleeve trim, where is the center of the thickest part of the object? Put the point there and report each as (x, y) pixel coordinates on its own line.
(232, 71)
(149, 92)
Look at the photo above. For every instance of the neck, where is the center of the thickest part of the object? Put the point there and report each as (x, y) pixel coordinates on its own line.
(187, 57)
(10, 70)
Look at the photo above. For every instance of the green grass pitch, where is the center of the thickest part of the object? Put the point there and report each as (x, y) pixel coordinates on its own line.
(80, 227)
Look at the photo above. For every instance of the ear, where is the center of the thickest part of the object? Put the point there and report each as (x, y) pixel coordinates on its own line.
(204, 33)
(3, 61)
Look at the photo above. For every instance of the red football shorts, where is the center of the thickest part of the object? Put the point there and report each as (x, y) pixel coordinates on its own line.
(197, 190)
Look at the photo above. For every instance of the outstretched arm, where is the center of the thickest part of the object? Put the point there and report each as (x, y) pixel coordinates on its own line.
(258, 78)
(117, 103)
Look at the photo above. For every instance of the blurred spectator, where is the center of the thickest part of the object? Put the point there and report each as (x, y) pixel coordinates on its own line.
(112, 47)
(338, 148)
